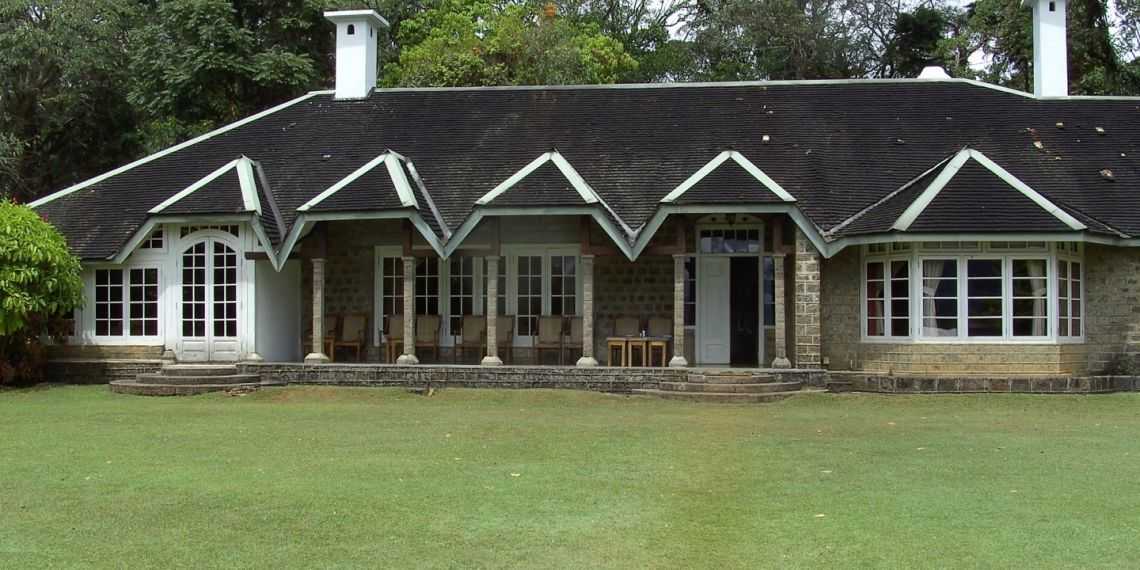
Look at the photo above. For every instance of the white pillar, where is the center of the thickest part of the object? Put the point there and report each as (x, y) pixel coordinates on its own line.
(678, 360)
(318, 356)
(587, 312)
(409, 355)
(781, 348)
(491, 313)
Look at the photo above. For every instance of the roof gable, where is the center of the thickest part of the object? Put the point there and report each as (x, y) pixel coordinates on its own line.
(728, 178)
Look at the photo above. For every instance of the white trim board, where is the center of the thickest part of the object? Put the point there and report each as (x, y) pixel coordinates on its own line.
(201, 183)
(576, 181)
(920, 203)
(174, 149)
(716, 163)
(392, 163)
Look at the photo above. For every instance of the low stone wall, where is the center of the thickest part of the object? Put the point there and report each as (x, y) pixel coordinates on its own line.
(99, 371)
(862, 382)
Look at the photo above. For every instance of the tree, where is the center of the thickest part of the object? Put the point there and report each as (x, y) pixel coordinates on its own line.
(479, 42)
(39, 284)
(917, 41)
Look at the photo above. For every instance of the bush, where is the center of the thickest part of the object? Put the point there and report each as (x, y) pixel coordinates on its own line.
(39, 286)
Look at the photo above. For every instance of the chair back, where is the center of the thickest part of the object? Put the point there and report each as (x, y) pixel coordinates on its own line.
(505, 330)
(474, 328)
(395, 328)
(660, 327)
(331, 325)
(427, 328)
(353, 329)
(627, 326)
(576, 330)
(549, 330)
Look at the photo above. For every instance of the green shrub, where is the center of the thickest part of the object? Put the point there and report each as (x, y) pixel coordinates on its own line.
(40, 285)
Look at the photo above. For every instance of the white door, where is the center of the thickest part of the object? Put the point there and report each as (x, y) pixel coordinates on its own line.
(209, 302)
(713, 330)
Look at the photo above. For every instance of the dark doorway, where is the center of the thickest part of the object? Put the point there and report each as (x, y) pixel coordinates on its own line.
(744, 308)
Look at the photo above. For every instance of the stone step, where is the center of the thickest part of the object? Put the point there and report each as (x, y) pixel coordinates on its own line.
(135, 388)
(754, 388)
(195, 380)
(199, 370)
(738, 378)
(718, 397)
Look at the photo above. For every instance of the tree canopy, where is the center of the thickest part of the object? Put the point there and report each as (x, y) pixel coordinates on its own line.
(86, 86)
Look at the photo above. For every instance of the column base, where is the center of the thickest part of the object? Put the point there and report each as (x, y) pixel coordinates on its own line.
(407, 360)
(254, 357)
(491, 361)
(678, 362)
(587, 362)
(316, 358)
(781, 362)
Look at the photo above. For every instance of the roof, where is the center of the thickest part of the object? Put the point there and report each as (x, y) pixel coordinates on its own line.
(840, 150)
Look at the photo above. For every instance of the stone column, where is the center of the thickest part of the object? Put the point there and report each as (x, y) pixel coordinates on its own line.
(678, 360)
(781, 359)
(318, 356)
(491, 313)
(587, 312)
(409, 355)
(807, 319)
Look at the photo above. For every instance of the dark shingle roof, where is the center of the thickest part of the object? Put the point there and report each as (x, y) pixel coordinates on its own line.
(977, 200)
(838, 147)
(730, 183)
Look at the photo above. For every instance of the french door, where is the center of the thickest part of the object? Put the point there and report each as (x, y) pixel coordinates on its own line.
(209, 302)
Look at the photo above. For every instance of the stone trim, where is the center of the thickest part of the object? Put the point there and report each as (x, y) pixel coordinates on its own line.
(807, 304)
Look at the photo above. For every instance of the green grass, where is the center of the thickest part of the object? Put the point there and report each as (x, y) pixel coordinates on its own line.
(306, 477)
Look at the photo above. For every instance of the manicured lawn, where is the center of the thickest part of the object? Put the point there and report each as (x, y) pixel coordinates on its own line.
(307, 477)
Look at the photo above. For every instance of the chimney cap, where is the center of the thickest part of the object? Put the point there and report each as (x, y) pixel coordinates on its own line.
(934, 72)
(349, 16)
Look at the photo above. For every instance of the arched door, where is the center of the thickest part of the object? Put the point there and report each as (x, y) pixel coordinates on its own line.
(209, 301)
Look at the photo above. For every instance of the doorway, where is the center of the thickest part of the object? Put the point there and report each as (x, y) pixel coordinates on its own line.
(209, 302)
(744, 298)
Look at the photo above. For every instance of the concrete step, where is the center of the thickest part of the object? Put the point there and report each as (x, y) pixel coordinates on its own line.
(135, 388)
(197, 380)
(736, 378)
(718, 397)
(199, 370)
(755, 388)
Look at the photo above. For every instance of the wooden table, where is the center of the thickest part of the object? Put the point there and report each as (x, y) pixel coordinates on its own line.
(635, 350)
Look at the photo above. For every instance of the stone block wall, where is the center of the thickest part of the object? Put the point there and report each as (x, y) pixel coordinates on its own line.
(806, 307)
(642, 289)
(1112, 304)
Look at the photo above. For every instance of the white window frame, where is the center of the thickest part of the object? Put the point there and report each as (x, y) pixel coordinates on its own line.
(886, 260)
(85, 330)
(1051, 253)
(511, 253)
(378, 255)
(1070, 256)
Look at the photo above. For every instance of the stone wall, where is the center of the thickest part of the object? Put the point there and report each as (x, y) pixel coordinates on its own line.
(806, 307)
(1112, 291)
(642, 289)
(99, 371)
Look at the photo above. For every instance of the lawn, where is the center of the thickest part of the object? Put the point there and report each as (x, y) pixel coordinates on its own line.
(305, 477)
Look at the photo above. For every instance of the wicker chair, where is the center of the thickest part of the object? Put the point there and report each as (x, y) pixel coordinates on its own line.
(352, 334)
(549, 337)
(394, 338)
(474, 334)
(427, 334)
(573, 342)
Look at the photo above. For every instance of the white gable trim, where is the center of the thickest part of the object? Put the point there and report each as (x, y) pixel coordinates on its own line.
(715, 163)
(427, 197)
(195, 187)
(248, 186)
(888, 197)
(584, 190)
(577, 182)
(343, 182)
(923, 201)
(607, 226)
(173, 149)
(305, 220)
(514, 179)
(391, 161)
(400, 180)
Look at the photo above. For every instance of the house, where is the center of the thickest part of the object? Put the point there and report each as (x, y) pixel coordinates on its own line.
(929, 227)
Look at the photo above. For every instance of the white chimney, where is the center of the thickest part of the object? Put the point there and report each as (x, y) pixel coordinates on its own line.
(1050, 48)
(357, 32)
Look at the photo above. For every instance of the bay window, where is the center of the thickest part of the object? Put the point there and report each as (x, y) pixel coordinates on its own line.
(988, 291)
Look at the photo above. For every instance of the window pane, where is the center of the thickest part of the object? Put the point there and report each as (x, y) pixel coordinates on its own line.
(935, 268)
(875, 327)
(900, 327)
(1030, 327)
(983, 268)
(1029, 267)
(984, 327)
(983, 288)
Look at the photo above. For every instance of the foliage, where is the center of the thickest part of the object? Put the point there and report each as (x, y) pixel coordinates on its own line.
(39, 284)
(917, 42)
(478, 42)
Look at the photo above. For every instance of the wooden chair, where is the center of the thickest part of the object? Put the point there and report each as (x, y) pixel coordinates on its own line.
(352, 334)
(504, 337)
(474, 334)
(332, 323)
(427, 334)
(660, 332)
(394, 338)
(626, 331)
(573, 342)
(549, 337)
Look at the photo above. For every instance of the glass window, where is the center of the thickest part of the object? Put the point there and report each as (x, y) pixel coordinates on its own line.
(563, 285)
(940, 297)
(1029, 291)
(731, 240)
(888, 298)
(1069, 298)
(391, 291)
(154, 241)
(108, 302)
(984, 280)
(529, 294)
(769, 292)
(690, 291)
(462, 292)
(144, 302)
(427, 286)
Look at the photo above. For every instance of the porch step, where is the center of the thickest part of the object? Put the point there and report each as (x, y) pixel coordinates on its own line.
(731, 388)
(199, 370)
(721, 398)
(140, 389)
(185, 380)
(718, 377)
